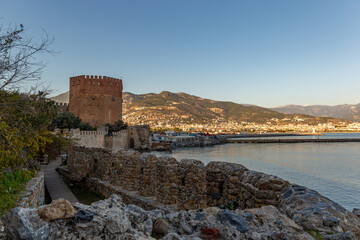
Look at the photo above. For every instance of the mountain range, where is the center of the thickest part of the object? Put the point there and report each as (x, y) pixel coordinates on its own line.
(344, 111)
(175, 107)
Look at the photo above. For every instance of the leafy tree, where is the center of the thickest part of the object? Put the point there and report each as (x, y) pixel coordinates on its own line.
(24, 117)
(119, 125)
(57, 144)
(18, 57)
(67, 120)
(23, 128)
(84, 126)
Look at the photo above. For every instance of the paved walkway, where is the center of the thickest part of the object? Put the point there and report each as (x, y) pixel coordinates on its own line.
(55, 184)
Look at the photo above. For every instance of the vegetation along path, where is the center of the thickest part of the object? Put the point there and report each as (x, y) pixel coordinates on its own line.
(55, 184)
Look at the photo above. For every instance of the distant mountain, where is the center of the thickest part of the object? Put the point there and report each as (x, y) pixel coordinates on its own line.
(63, 98)
(344, 111)
(186, 108)
(193, 108)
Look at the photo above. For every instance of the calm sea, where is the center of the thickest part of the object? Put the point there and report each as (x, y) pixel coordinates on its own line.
(333, 169)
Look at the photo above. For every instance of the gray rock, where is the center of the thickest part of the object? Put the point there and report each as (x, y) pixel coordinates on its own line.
(94, 228)
(212, 214)
(84, 216)
(278, 236)
(255, 236)
(171, 236)
(172, 216)
(356, 211)
(341, 236)
(140, 219)
(156, 214)
(330, 221)
(24, 223)
(314, 212)
(236, 221)
(199, 216)
(116, 223)
(185, 228)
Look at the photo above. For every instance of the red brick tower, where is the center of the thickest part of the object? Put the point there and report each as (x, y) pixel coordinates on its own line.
(96, 99)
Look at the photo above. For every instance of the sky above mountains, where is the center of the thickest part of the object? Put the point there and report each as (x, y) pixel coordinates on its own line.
(266, 53)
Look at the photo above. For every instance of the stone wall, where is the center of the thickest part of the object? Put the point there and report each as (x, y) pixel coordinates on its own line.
(136, 137)
(165, 183)
(34, 193)
(188, 184)
(139, 137)
(120, 140)
(92, 139)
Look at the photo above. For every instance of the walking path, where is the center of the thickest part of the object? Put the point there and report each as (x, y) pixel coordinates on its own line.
(55, 184)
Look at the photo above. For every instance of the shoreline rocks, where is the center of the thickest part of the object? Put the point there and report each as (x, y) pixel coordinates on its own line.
(171, 186)
(112, 219)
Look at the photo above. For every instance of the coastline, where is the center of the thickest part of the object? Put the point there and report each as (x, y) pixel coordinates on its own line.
(315, 165)
(225, 200)
(158, 182)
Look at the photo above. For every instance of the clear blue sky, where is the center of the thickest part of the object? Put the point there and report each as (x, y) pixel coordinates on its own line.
(266, 52)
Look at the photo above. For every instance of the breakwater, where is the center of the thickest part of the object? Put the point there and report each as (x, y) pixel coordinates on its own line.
(292, 140)
(165, 183)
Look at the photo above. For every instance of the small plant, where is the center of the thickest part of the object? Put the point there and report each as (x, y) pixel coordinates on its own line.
(11, 185)
(316, 235)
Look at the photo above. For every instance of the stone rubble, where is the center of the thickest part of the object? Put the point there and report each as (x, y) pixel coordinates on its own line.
(25, 223)
(163, 186)
(315, 212)
(112, 219)
(59, 208)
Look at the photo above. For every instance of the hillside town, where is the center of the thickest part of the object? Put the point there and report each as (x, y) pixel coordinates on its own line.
(220, 126)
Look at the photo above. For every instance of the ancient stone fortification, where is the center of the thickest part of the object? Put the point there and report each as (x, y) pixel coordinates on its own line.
(134, 137)
(34, 193)
(63, 107)
(163, 182)
(96, 99)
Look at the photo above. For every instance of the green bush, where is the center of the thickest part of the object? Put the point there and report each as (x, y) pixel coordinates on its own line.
(11, 185)
(119, 125)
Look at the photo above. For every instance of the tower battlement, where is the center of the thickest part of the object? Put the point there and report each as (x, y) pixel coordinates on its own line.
(94, 77)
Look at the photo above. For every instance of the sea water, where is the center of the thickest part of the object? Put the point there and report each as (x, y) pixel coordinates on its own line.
(332, 169)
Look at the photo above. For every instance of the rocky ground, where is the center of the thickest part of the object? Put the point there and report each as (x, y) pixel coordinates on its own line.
(112, 219)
